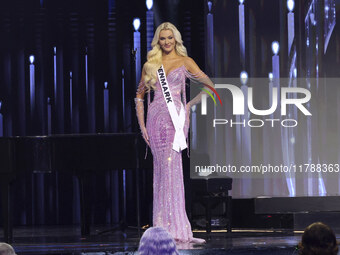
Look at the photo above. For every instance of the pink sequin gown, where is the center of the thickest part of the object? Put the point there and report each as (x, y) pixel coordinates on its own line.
(168, 188)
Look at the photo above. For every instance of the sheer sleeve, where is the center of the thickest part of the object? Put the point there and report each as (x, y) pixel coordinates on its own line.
(139, 103)
(141, 89)
(197, 78)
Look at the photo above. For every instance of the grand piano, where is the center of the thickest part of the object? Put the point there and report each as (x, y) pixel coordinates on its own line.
(81, 154)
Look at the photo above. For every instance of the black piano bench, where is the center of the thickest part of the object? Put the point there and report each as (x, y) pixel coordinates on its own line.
(210, 193)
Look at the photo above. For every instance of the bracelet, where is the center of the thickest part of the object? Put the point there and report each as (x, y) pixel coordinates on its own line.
(139, 99)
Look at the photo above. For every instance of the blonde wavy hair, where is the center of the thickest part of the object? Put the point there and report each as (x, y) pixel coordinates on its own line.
(154, 57)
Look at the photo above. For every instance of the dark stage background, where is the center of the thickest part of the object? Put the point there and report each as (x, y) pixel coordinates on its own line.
(102, 31)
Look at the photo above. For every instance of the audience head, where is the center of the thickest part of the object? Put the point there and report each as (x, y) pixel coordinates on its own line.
(157, 240)
(318, 239)
(6, 249)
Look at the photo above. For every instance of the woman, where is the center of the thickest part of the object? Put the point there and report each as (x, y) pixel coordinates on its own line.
(160, 132)
(157, 240)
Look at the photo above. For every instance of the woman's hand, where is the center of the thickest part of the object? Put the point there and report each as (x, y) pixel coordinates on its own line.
(145, 136)
(188, 108)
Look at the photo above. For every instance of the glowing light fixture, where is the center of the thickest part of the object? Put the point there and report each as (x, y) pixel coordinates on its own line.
(31, 59)
(136, 23)
(149, 4)
(244, 77)
(290, 5)
(275, 47)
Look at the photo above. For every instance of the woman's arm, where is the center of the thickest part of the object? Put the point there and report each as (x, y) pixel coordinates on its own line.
(195, 74)
(141, 87)
(139, 102)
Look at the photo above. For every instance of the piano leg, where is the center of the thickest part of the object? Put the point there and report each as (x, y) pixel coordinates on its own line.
(85, 205)
(6, 209)
(229, 212)
(208, 215)
(138, 202)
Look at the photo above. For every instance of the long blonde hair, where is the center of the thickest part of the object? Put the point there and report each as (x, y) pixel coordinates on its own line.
(154, 57)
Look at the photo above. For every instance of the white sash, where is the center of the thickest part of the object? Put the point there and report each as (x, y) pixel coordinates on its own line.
(178, 120)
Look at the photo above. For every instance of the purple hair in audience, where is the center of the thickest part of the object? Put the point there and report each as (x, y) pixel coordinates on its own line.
(6, 249)
(157, 240)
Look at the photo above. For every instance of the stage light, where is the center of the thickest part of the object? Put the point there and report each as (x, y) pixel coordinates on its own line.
(271, 76)
(136, 23)
(209, 6)
(31, 59)
(275, 47)
(312, 19)
(295, 73)
(244, 77)
(290, 5)
(241, 1)
(149, 4)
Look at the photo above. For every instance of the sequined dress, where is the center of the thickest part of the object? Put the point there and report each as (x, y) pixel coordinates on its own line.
(168, 187)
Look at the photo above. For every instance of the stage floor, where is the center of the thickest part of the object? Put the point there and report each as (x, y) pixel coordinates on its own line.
(67, 240)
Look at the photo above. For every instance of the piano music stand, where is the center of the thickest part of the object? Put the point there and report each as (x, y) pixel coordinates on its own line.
(94, 153)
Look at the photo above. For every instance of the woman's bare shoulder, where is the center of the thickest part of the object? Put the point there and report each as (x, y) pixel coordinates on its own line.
(190, 64)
